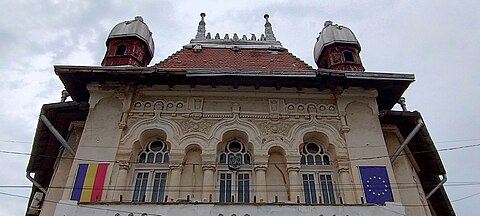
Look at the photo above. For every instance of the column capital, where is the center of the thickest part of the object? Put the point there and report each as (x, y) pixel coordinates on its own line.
(293, 168)
(175, 166)
(260, 168)
(343, 170)
(124, 165)
(209, 167)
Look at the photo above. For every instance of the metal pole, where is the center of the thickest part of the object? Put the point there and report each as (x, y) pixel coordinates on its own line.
(406, 141)
(438, 186)
(56, 134)
(36, 183)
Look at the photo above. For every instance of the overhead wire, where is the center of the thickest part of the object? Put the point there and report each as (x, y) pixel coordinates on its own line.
(81, 205)
(134, 162)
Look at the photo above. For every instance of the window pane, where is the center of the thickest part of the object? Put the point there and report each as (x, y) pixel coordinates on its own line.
(310, 160)
(228, 188)
(156, 146)
(225, 187)
(222, 190)
(159, 158)
(327, 189)
(159, 187)
(318, 160)
(326, 160)
(309, 188)
(302, 160)
(140, 187)
(312, 148)
(142, 157)
(223, 160)
(247, 159)
(243, 183)
(150, 157)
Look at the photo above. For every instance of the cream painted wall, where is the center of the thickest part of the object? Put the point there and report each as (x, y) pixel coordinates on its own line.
(99, 140)
(192, 175)
(365, 142)
(406, 175)
(121, 121)
(277, 178)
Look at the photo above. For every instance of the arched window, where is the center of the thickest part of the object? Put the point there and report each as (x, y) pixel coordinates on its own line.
(234, 172)
(151, 173)
(120, 50)
(313, 154)
(317, 174)
(348, 56)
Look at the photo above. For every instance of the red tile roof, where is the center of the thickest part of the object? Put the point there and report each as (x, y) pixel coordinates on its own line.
(216, 58)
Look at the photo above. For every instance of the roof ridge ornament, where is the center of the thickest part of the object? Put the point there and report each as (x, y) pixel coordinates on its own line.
(268, 28)
(201, 27)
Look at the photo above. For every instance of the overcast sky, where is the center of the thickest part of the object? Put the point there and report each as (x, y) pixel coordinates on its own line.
(438, 42)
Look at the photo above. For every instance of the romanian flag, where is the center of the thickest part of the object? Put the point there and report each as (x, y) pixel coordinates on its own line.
(89, 182)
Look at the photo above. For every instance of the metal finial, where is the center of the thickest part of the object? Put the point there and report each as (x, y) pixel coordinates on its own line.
(139, 18)
(201, 28)
(327, 23)
(268, 29)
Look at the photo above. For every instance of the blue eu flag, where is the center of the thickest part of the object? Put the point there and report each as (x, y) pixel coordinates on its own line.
(376, 185)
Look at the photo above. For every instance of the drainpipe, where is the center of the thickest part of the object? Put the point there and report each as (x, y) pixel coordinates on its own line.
(36, 183)
(56, 134)
(438, 186)
(406, 141)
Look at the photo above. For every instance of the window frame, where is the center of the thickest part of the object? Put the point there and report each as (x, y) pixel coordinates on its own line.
(150, 183)
(317, 170)
(152, 168)
(245, 168)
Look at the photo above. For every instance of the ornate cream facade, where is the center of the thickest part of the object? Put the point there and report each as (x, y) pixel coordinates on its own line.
(179, 142)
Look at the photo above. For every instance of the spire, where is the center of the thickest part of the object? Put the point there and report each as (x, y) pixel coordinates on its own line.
(201, 28)
(268, 29)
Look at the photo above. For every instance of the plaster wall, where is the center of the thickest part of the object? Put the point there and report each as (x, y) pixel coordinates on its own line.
(123, 119)
(364, 137)
(62, 169)
(408, 181)
(100, 138)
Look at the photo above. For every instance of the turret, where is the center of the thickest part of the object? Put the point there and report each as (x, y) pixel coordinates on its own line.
(129, 43)
(337, 48)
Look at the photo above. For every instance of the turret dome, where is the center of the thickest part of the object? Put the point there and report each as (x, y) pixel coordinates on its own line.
(134, 28)
(337, 48)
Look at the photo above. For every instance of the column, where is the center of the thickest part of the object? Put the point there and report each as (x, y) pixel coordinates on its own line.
(121, 188)
(260, 172)
(347, 186)
(173, 187)
(208, 182)
(295, 184)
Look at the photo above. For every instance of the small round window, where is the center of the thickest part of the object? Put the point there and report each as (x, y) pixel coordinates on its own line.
(235, 146)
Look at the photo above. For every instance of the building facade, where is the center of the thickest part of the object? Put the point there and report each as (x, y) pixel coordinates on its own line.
(233, 126)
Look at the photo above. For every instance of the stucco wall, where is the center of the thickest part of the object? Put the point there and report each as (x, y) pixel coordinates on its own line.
(272, 124)
(408, 181)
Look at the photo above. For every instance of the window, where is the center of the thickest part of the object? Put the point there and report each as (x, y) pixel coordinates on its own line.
(234, 176)
(348, 56)
(309, 188)
(317, 175)
(151, 173)
(120, 50)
